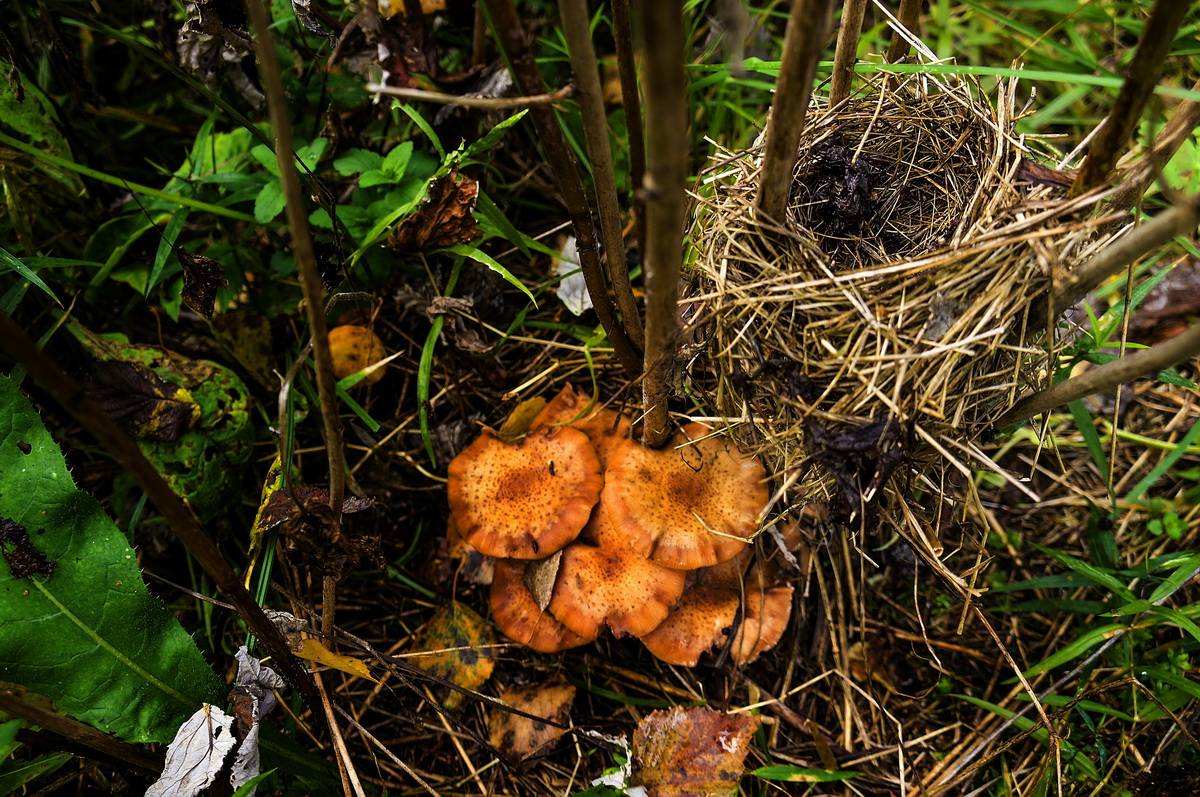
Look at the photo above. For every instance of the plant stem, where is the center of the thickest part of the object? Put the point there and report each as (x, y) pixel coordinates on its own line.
(1105, 377)
(510, 34)
(1137, 178)
(632, 103)
(491, 103)
(846, 54)
(74, 399)
(1177, 220)
(310, 279)
(595, 129)
(664, 187)
(909, 15)
(1126, 113)
(802, 46)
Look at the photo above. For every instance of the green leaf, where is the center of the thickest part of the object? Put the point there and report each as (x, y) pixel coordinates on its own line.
(357, 161)
(1070, 752)
(266, 158)
(1085, 642)
(487, 260)
(373, 177)
(269, 202)
(494, 135)
(89, 636)
(10, 260)
(1182, 574)
(803, 774)
(1094, 574)
(310, 154)
(396, 162)
(166, 245)
(420, 122)
(1087, 430)
(1165, 463)
(15, 774)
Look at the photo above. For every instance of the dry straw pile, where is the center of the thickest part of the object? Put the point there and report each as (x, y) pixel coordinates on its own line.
(864, 345)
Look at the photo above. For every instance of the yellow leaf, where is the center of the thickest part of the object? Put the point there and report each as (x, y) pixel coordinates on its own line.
(312, 649)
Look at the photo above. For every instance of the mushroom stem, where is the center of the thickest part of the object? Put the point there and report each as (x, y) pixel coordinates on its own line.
(664, 189)
(802, 46)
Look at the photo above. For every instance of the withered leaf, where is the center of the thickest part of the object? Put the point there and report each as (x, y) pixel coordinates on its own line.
(202, 276)
(459, 646)
(1034, 172)
(687, 751)
(145, 405)
(283, 505)
(307, 531)
(519, 737)
(540, 576)
(444, 220)
(24, 560)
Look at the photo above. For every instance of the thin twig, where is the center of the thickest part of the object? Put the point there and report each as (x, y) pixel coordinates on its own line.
(310, 278)
(1179, 219)
(846, 54)
(632, 103)
(71, 396)
(1126, 113)
(1137, 178)
(664, 188)
(1105, 377)
(909, 15)
(595, 130)
(510, 33)
(467, 101)
(386, 751)
(802, 46)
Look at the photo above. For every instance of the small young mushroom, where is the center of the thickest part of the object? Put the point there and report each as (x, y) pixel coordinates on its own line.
(528, 499)
(606, 428)
(703, 619)
(602, 580)
(518, 617)
(690, 505)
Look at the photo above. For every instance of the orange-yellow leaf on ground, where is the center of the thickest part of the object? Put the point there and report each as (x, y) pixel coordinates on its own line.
(459, 647)
(690, 751)
(389, 7)
(519, 737)
(353, 348)
(312, 650)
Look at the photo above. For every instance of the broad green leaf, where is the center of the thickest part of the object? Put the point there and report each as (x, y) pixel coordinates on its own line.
(269, 202)
(396, 162)
(494, 135)
(357, 161)
(15, 774)
(266, 158)
(89, 636)
(372, 178)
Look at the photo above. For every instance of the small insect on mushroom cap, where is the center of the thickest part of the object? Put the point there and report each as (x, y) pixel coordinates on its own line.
(691, 504)
(518, 617)
(606, 428)
(528, 499)
(603, 580)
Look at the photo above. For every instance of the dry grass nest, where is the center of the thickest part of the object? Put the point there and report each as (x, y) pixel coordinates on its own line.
(863, 345)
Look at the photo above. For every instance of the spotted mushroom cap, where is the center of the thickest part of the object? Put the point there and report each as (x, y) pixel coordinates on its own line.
(518, 617)
(705, 616)
(689, 505)
(602, 580)
(528, 499)
(606, 428)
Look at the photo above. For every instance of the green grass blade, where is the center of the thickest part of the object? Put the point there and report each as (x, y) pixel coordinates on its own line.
(13, 262)
(480, 256)
(1164, 465)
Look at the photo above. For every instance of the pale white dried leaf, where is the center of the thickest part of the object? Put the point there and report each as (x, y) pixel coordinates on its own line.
(196, 754)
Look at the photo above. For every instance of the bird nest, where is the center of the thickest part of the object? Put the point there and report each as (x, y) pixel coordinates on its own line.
(863, 345)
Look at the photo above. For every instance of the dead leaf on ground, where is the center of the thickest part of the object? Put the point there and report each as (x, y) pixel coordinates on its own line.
(691, 751)
(202, 277)
(312, 650)
(24, 560)
(519, 737)
(146, 406)
(460, 646)
(196, 755)
(444, 220)
(517, 424)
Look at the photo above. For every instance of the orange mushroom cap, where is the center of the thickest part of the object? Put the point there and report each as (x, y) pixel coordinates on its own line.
(606, 428)
(517, 614)
(703, 619)
(602, 580)
(689, 505)
(528, 499)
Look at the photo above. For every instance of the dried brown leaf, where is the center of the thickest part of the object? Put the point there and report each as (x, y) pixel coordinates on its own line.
(519, 737)
(444, 220)
(691, 751)
(202, 276)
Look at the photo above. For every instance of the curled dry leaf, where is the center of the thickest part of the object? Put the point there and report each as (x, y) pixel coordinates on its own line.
(144, 404)
(202, 277)
(196, 755)
(518, 737)
(517, 614)
(691, 751)
(446, 218)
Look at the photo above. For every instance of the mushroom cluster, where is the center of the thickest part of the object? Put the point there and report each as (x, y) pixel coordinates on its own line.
(591, 529)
